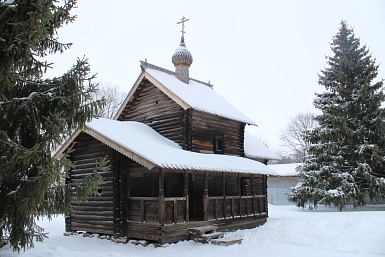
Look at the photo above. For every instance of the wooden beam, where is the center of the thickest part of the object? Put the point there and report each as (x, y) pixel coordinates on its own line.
(253, 194)
(161, 197)
(206, 197)
(185, 194)
(224, 194)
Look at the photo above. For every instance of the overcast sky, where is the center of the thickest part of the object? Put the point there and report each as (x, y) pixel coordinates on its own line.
(262, 56)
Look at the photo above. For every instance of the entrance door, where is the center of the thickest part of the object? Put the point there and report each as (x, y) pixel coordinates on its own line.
(196, 189)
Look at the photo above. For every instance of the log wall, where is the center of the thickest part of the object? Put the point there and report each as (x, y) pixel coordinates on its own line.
(202, 127)
(95, 215)
(154, 108)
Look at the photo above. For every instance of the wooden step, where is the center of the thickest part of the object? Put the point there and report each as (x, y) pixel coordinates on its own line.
(202, 229)
(227, 241)
(204, 234)
(213, 235)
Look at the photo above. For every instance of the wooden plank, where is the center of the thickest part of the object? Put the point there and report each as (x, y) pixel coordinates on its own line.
(75, 217)
(142, 213)
(202, 229)
(175, 211)
(213, 235)
(227, 241)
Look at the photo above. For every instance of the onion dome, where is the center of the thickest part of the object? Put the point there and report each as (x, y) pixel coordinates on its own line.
(182, 56)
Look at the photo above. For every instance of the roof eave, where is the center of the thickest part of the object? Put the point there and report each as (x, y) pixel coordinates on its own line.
(121, 149)
(59, 152)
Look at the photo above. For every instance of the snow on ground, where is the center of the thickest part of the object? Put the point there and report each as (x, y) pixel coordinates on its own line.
(289, 232)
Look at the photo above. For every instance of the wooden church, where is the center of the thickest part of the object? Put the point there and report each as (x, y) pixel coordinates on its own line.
(178, 161)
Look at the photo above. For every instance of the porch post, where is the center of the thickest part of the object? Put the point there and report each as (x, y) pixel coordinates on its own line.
(206, 198)
(224, 194)
(239, 194)
(185, 194)
(266, 206)
(253, 194)
(161, 197)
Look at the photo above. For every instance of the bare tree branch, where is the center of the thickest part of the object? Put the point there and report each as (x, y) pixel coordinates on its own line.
(113, 98)
(292, 137)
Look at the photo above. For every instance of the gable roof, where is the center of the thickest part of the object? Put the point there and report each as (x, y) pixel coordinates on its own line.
(286, 170)
(195, 95)
(144, 145)
(256, 150)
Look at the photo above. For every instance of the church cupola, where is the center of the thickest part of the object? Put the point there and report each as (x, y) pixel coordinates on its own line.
(182, 58)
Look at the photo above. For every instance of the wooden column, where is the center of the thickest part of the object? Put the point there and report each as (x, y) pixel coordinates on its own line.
(253, 194)
(224, 194)
(240, 193)
(206, 197)
(185, 194)
(265, 198)
(161, 197)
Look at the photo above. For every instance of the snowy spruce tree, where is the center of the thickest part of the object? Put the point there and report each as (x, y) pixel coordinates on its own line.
(36, 115)
(346, 161)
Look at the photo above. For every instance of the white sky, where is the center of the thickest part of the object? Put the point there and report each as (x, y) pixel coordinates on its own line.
(262, 56)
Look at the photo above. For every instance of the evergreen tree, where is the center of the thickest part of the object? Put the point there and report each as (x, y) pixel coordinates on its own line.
(36, 115)
(346, 160)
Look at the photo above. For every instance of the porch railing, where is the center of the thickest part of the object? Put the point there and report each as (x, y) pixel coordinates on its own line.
(146, 210)
(222, 207)
(176, 209)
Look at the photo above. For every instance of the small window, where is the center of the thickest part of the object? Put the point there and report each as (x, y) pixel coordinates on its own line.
(218, 144)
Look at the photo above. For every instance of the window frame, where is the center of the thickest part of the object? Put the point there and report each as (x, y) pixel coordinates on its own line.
(218, 144)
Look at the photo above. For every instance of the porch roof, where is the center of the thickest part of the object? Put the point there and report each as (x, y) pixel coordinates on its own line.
(255, 149)
(150, 149)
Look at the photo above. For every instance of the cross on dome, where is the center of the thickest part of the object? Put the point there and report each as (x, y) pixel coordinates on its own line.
(183, 20)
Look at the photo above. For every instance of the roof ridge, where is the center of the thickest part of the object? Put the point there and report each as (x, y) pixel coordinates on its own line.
(145, 64)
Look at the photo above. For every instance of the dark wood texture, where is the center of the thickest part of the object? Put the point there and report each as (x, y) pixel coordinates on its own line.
(97, 214)
(154, 108)
(202, 128)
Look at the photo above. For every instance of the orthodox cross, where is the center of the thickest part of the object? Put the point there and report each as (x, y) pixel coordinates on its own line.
(183, 20)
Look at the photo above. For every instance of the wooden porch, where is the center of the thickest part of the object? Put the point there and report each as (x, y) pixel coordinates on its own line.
(176, 209)
(168, 219)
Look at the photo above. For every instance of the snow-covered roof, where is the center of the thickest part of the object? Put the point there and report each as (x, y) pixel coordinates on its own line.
(194, 95)
(150, 149)
(255, 149)
(286, 170)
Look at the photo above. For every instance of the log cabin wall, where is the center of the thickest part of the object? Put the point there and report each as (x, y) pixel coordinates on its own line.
(154, 108)
(97, 214)
(203, 127)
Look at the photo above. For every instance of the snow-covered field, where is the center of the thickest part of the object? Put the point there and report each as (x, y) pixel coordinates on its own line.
(290, 231)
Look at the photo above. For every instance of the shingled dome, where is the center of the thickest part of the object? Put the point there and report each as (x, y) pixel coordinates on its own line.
(182, 56)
